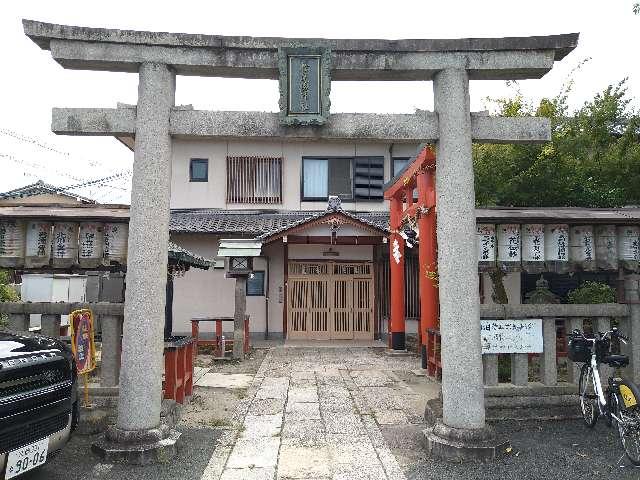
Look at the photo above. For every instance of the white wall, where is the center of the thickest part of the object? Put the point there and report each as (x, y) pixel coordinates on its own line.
(207, 293)
(211, 194)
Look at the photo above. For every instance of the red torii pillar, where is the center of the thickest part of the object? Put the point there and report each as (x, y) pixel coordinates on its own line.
(419, 174)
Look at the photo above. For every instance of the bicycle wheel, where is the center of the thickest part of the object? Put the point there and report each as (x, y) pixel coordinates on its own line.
(628, 429)
(588, 397)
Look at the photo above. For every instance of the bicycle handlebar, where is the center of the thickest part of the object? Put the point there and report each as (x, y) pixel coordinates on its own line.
(613, 333)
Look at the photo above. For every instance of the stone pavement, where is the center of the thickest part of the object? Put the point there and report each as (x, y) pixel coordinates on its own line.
(315, 413)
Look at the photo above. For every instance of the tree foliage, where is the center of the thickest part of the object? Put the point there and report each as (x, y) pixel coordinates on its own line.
(7, 294)
(592, 292)
(593, 159)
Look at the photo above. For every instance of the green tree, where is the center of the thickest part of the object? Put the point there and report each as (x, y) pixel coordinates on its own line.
(592, 292)
(7, 293)
(593, 159)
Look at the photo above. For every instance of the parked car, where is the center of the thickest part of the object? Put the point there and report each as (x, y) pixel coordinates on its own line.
(38, 401)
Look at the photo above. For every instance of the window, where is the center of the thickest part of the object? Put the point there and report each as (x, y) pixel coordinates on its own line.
(255, 284)
(369, 178)
(199, 170)
(349, 178)
(254, 180)
(399, 163)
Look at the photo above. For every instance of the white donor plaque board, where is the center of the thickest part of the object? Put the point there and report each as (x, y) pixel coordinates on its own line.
(511, 336)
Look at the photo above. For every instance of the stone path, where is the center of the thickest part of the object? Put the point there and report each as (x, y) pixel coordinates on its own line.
(315, 413)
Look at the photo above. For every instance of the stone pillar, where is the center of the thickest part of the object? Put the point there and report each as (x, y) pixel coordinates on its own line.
(19, 322)
(573, 369)
(490, 367)
(520, 369)
(462, 385)
(111, 350)
(92, 294)
(632, 294)
(603, 324)
(548, 360)
(141, 374)
(238, 317)
(50, 325)
(461, 433)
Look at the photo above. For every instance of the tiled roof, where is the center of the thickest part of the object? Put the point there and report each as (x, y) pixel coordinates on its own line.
(41, 187)
(256, 222)
(182, 255)
(265, 223)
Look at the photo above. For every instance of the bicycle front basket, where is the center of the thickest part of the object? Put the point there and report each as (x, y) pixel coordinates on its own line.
(579, 350)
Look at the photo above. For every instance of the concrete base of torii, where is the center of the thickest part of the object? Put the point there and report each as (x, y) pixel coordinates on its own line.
(460, 444)
(138, 447)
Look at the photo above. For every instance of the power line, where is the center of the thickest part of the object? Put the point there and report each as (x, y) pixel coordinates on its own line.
(38, 166)
(122, 175)
(35, 141)
(31, 140)
(98, 181)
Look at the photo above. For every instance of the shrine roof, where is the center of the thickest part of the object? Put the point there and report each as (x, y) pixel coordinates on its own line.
(40, 188)
(264, 224)
(178, 254)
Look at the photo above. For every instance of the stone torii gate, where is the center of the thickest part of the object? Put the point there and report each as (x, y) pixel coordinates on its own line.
(149, 127)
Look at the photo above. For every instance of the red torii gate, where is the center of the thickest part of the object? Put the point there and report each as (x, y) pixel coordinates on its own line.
(420, 175)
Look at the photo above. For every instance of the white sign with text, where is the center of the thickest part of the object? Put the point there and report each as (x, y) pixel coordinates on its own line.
(511, 336)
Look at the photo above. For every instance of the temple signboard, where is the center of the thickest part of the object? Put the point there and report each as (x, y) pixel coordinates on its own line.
(511, 336)
(305, 84)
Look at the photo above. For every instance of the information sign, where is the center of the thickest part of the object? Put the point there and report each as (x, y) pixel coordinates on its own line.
(511, 336)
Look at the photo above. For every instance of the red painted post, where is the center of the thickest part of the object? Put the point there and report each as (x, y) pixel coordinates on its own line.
(180, 374)
(218, 349)
(170, 373)
(246, 334)
(195, 333)
(188, 389)
(396, 253)
(427, 257)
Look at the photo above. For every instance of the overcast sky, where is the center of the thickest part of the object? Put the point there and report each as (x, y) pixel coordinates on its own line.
(32, 83)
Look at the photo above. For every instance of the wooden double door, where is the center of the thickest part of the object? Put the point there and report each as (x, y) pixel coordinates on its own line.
(330, 300)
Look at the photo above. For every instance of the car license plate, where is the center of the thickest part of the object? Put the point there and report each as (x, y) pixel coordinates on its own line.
(25, 458)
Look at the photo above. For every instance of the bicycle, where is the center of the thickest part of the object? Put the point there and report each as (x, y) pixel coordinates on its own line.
(619, 401)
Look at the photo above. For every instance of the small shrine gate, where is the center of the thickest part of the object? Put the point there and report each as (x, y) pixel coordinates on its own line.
(413, 219)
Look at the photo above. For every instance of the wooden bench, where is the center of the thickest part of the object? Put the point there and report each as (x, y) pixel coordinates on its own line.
(216, 342)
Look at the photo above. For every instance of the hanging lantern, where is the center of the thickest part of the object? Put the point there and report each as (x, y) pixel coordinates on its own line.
(12, 242)
(116, 236)
(582, 248)
(91, 244)
(38, 244)
(486, 238)
(629, 247)
(606, 247)
(556, 248)
(509, 252)
(533, 248)
(65, 244)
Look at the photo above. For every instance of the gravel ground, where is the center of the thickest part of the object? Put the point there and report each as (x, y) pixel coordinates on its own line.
(76, 462)
(250, 364)
(542, 450)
